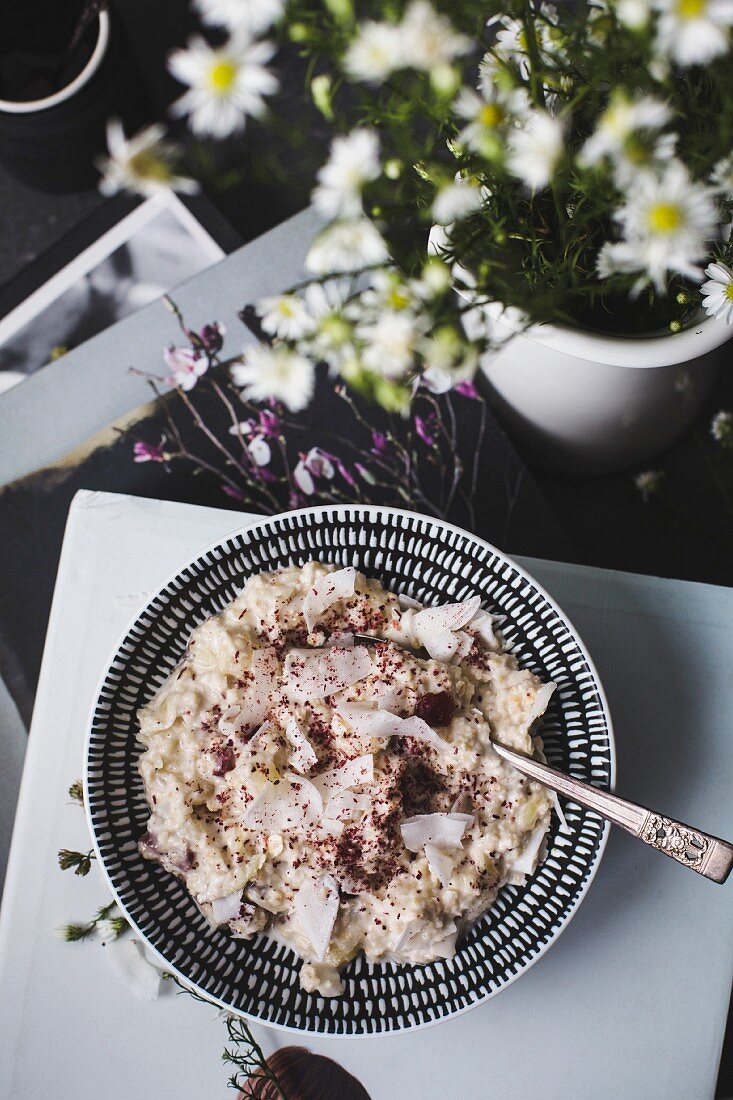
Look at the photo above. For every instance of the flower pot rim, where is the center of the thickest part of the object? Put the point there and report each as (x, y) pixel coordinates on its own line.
(31, 106)
(637, 351)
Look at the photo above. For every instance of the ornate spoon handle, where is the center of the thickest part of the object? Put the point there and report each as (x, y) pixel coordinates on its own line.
(708, 855)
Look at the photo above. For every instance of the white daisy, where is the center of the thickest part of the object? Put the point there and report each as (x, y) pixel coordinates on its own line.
(275, 372)
(352, 163)
(534, 151)
(249, 16)
(390, 343)
(347, 246)
(722, 176)
(633, 14)
(511, 41)
(620, 123)
(455, 201)
(693, 32)
(332, 337)
(142, 164)
(721, 428)
(285, 316)
(429, 39)
(225, 85)
(484, 114)
(375, 53)
(717, 292)
(667, 222)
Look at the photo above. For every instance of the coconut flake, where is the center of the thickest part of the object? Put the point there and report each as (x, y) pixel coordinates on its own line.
(442, 830)
(327, 590)
(441, 861)
(316, 675)
(482, 627)
(367, 722)
(541, 701)
(128, 959)
(258, 695)
(284, 806)
(232, 720)
(408, 602)
(226, 909)
(433, 621)
(351, 774)
(564, 827)
(303, 756)
(529, 858)
(346, 804)
(316, 906)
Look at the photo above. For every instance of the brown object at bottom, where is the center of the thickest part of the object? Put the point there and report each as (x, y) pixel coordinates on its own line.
(304, 1076)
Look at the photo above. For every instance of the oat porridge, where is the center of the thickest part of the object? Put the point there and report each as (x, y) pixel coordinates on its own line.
(343, 796)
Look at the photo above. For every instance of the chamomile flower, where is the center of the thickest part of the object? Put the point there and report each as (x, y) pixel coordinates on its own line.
(621, 123)
(485, 114)
(353, 162)
(390, 343)
(693, 32)
(331, 339)
(430, 39)
(455, 201)
(285, 316)
(250, 16)
(667, 222)
(633, 14)
(375, 53)
(346, 246)
(141, 165)
(722, 176)
(721, 428)
(717, 292)
(225, 85)
(511, 40)
(535, 150)
(275, 372)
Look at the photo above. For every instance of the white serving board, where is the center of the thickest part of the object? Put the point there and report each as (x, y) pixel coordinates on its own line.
(630, 1002)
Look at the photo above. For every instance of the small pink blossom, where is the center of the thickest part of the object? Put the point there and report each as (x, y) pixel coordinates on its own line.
(269, 423)
(315, 464)
(379, 443)
(150, 452)
(235, 494)
(186, 366)
(468, 389)
(424, 429)
(212, 337)
(259, 450)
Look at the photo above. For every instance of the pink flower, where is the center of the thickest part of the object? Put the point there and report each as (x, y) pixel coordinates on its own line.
(379, 443)
(235, 494)
(315, 464)
(269, 423)
(212, 337)
(259, 450)
(468, 389)
(149, 452)
(424, 429)
(186, 366)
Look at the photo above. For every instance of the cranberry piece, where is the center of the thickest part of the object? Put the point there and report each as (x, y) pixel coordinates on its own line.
(436, 708)
(226, 760)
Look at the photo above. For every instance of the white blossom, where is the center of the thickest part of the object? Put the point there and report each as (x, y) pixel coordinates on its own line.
(285, 316)
(347, 246)
(429, 39)
(186, 366)
(455, 201)
(693, 32)
(717, 292)
(352, 163)
(140, 164)
(721, 428)
(275, 372)
(249, 16)
(225, 85)
(722, 176)
(534, 150)
(375, 53)
(667, 222)
(621, 121)
(390, 343)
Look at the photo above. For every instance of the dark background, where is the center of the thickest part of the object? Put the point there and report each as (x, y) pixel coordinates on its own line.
(686, 531)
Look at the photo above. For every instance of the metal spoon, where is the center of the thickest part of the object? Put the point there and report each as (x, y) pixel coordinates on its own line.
(708, 855)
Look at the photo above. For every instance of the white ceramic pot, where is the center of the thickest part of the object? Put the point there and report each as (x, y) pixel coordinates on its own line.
(581, 402)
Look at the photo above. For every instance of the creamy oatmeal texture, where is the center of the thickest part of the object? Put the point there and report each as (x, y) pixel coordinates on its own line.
(343, 797)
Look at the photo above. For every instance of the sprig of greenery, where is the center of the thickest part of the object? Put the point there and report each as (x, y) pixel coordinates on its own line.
(73, 933)
(80, 861)
(76, 792)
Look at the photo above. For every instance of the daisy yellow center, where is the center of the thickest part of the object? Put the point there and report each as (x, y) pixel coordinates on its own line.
(222, 75)
(147, 166)
(691, 9)
(286, 308)
(397, 299)
(664, 217)
(490, 114)
(729, 292)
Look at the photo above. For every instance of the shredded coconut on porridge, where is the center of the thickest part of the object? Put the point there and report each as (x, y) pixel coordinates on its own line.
(343, 797)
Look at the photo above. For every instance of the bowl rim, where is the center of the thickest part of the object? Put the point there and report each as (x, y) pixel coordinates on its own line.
(559, 927)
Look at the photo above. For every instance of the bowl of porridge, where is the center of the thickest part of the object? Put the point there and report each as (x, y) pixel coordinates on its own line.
(291, 779)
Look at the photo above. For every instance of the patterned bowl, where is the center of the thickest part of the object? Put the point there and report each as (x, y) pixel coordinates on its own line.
(434, 562)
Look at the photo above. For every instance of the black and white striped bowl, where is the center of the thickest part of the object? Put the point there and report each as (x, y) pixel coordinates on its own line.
(434, 562)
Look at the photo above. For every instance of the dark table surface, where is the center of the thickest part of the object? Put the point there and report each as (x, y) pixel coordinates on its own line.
(686, 531)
